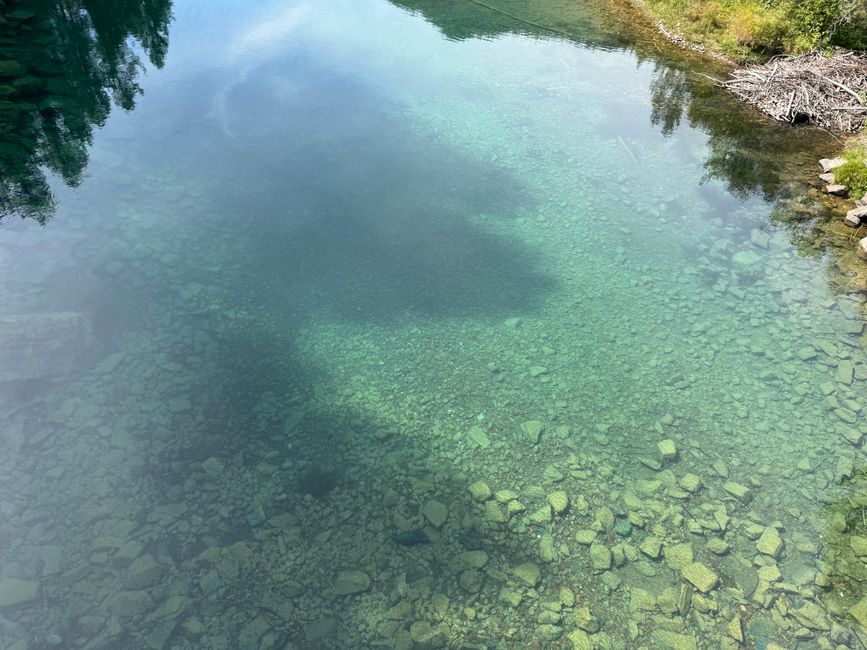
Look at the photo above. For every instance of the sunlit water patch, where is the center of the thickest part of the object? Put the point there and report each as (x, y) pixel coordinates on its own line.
(420, 325)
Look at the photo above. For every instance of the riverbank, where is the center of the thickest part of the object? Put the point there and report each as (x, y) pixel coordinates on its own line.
(750, 30)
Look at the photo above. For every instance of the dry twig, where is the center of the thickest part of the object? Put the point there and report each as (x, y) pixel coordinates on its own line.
(829, 91)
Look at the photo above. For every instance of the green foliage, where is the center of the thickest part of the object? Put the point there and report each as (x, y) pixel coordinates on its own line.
(747, 28)
(853, 173)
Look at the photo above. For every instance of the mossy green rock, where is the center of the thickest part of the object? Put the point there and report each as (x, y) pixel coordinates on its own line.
(351, 582)
(548, 632)
(435, 512)
(600, 557)
(528, 573)
(677, 556)
(541, 516)
(700, 576)
(690, 482)
(859, 545)
(478, 437)
(674, 641)
(510, 597)
(586, 536)
(811, 616)
(740, 492)
(480, 491)
(580, 640)
(547, 549)
(532, 430)
(667, 450)
(859, 612)
(651, 547)
(770, 542)
(559, 501)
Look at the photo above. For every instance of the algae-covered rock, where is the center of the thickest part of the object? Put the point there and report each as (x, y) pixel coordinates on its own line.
(667, 450)
(547, 549)
(740, 492)
(770, 543)
(532, 430)
(425, 637)
(351, 582)
(690, 482)
(559, 501)
(674, 641)
(651, 547)
(810, 615)
(541, 516)
(510, 597)
(642, 600)
(580, 640)
(469, 560)
(735, 629)
(678, 556)
(471, 581)
(600, 557)
(586, 536)
(528, 573)
(480, 491)
(700, 576)
(717, 546)
(494, 513)
(547, 632)
(858, 611)
(435, 512)
(478, 437)
(858, 544)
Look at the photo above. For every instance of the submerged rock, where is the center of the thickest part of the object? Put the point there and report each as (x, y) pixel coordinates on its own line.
(700, 576)
(351, 582)
(17, 593)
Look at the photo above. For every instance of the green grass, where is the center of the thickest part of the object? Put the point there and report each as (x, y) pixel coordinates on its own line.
(853, 173)
(752, 29)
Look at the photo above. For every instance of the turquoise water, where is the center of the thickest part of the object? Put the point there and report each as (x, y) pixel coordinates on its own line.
(418, 325)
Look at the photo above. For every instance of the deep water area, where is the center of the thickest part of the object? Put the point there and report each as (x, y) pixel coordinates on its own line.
(413, 325)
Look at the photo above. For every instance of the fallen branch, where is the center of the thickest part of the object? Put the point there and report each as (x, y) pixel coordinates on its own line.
(828, 91)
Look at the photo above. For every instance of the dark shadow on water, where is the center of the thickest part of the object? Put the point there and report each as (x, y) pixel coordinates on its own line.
(364, 218)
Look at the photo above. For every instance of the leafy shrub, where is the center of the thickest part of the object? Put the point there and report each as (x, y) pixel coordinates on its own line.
(853, 173)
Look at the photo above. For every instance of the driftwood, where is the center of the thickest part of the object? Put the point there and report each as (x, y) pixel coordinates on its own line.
(829, 91)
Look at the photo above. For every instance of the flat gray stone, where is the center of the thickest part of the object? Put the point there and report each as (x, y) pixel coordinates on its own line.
(829, 164)
(17, 593)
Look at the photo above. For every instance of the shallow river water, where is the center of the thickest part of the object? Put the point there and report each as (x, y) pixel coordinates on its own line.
(413, 324)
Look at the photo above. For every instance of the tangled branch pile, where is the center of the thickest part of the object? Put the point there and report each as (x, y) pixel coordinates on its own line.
(830, 91)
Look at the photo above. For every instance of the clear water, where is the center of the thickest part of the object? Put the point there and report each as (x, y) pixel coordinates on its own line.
(340, 261)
